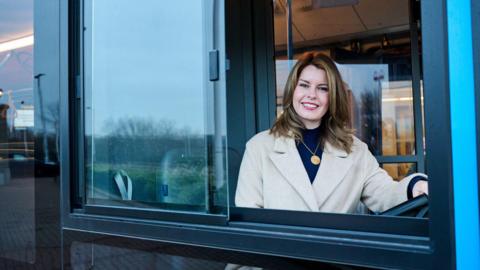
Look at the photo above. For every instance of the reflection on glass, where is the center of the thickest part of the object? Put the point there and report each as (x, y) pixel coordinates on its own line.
(399, 170)
(101, 256)
(371, 46)
(150, 114)
(398, 136)
(17, 220)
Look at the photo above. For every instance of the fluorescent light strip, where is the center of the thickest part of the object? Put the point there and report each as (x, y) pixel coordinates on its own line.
(16, 43)
(397, 99)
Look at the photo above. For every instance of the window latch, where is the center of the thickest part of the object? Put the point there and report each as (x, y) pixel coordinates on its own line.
(213, 65)
(78, 94)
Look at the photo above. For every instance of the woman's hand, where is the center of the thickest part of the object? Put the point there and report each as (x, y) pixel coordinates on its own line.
(421, 187)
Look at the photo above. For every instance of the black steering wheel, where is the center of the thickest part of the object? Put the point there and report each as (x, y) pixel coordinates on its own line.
(416, 207)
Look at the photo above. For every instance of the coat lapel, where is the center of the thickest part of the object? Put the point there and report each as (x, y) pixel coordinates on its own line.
(335, 165)
(286, 159)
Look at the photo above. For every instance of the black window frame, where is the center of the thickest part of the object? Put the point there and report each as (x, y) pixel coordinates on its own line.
(340, 238)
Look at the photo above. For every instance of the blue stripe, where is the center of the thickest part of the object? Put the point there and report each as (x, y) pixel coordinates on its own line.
(462, 109)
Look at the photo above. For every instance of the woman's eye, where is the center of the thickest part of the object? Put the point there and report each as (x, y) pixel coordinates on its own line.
(304, 85)
(323, 88)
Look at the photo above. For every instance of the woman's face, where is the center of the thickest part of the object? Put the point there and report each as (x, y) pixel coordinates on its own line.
(310, 97)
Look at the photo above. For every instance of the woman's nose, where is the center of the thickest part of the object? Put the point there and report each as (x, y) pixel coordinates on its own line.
(311, 92)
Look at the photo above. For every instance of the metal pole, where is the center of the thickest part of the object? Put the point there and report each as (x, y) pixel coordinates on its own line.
(416, 93)
(289, 30)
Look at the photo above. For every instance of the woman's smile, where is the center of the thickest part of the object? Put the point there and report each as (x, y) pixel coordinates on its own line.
(309, 105)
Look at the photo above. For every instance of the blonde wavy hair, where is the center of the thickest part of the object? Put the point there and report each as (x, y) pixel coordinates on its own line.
(335, 123)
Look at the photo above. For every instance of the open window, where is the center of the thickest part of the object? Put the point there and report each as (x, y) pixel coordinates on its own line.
(377, 48)
(163, 96)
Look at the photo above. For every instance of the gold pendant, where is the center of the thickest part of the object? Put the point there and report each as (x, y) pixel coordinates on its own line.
(315, 160)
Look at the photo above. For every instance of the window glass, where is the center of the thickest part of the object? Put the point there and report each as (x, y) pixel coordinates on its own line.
(17, 204)
(154, 133)
(399, 170)
(162, 257)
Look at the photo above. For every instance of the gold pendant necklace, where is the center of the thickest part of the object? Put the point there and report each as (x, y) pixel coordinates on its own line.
(314, 159)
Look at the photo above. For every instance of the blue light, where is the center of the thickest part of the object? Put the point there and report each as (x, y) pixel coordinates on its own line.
(462, 109)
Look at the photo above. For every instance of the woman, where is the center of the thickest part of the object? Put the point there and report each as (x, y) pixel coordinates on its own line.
(309, 160)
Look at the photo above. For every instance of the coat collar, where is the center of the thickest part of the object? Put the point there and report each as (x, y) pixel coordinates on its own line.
(334, 166)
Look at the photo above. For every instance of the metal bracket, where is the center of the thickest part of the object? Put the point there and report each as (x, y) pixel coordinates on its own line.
(213, 65)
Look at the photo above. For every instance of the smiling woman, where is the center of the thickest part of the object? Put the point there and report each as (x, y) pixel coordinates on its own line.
(281, 171)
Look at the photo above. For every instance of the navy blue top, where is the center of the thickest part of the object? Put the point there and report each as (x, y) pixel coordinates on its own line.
(310, 138)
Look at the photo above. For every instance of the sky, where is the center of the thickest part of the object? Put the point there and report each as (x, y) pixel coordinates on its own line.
(140, 70)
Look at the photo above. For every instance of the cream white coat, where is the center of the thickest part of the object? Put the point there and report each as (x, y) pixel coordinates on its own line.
(272, 175)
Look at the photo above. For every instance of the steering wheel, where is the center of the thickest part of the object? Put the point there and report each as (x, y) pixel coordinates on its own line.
(416, 207)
